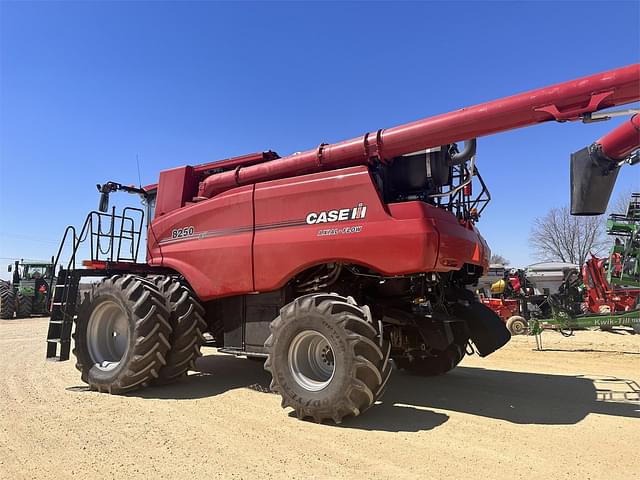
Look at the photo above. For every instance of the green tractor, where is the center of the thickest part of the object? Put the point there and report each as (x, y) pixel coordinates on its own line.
(28, 294)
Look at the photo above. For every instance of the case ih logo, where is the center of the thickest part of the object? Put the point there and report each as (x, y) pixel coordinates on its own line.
(327, 216)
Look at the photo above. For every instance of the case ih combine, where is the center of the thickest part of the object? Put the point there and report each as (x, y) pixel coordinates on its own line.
(327, 263)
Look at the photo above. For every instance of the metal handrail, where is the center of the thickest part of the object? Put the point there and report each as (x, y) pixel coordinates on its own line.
(93, 229)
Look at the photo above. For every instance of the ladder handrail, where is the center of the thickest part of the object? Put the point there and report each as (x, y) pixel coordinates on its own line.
(93, 227)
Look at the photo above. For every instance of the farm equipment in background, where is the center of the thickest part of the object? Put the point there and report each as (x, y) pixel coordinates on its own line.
(516, 301)
(606, 292)
(28, 293)
(326, 263)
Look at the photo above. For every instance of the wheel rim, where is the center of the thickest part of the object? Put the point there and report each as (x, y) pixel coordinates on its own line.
(518, 327)
(108, 335)
(311, 360)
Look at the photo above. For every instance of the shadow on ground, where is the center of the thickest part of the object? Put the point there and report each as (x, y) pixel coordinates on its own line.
(409, 401)
(588, 350)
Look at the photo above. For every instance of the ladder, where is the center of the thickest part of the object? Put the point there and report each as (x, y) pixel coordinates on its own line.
(105, 234)
(64, 306)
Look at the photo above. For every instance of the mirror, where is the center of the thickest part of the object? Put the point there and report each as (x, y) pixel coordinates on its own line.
(592, 182)
(104, 202)
(9, 268)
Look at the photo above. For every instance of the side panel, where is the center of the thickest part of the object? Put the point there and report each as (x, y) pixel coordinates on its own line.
(209, 243)
(177, 186)
(246, 318)
(459, 243)
(298, 225)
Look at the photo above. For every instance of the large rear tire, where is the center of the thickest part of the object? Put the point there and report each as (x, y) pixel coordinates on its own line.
(122, 335)
(327, 358)
(7, 300)
(188, 325)
(24, 306)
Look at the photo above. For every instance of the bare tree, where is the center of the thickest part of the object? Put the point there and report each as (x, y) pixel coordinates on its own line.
(560, 236)
(495, 258)
(620, 203)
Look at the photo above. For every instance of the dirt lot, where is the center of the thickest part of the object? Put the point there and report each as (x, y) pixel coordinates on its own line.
(571, 411)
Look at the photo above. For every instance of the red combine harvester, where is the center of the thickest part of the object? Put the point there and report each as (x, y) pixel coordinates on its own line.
(326, 263)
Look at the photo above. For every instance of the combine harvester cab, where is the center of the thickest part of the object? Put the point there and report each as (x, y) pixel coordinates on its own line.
(328, 264)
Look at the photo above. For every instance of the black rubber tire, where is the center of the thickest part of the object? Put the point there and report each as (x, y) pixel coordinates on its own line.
(440, 363)
(24, 306)
(7, 300)
(188, 325)
(149, 333)
(362, 365)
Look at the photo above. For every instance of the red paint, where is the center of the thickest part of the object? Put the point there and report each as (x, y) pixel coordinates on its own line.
(505, 308)
(181, 182)
(220, 262)
(623, 140)
(394, 239)
(601, 298)
(562, 102)
(248, 232)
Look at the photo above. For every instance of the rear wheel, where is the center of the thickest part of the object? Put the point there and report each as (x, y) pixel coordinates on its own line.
(188, 325)
(327, 358)
(7, 300)
(24, 306)
(122, 334)
(517, 325)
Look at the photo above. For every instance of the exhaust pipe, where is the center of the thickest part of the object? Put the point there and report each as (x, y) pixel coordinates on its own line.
(467, 152)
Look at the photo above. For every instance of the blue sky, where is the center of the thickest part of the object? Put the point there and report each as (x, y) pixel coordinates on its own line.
(85, 87)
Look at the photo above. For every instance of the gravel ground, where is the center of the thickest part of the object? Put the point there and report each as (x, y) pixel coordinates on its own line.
(571, 411)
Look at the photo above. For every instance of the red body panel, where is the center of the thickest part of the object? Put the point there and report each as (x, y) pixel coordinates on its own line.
(176, 183)
(216, 258)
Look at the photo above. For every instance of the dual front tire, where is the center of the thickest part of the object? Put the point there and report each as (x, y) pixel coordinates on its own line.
(133, 331)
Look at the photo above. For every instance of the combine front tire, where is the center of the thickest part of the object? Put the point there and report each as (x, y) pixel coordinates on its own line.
(188, 325)
(327, 357)
(122, 334)
(7, 300)
(24, 306)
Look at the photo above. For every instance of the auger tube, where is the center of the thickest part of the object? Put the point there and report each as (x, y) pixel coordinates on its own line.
(562, 102)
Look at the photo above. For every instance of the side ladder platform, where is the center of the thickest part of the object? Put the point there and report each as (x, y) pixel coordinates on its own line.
(63, 312)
